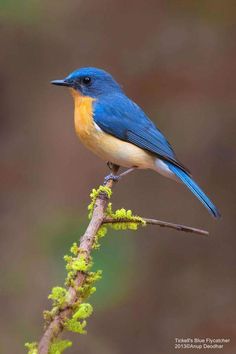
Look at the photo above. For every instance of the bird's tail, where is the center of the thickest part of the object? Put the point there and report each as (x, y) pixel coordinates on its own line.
(194, 188)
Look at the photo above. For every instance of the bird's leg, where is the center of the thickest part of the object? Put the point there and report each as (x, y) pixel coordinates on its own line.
(115, 169)
(125, 172)
(113, 175)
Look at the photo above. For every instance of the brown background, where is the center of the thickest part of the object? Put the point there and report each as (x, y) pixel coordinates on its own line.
(177, 60)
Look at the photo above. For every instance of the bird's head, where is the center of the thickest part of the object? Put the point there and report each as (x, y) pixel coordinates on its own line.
(92, 82)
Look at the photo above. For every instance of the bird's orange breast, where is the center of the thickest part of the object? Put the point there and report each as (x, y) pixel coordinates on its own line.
(83, 114)
(87, 130)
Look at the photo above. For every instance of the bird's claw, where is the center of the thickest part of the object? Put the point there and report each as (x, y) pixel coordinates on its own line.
(111, 177)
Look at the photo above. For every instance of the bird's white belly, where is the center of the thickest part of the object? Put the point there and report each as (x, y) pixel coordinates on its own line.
(117, 151)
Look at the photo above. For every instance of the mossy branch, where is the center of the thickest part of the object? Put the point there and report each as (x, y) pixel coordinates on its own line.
(70, 307)
(170, 225)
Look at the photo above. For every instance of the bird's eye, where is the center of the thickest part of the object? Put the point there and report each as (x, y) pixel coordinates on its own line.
(86, 80)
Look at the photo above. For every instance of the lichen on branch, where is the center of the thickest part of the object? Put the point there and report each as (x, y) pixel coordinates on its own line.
(70, 307)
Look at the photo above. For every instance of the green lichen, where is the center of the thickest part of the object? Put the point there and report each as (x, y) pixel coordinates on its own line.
(56, 347)
(59, 346)
(48, 315)
(94, 276)
(74, 249)
(58, 296)
(75, 265)
(109, 211)
(100, 233)
(88, 287)
(86, 290)
(32, 347)
(77, 323)
(59, 301)
(76, 326)
(94, 194)
(132, 223)
(84, 311)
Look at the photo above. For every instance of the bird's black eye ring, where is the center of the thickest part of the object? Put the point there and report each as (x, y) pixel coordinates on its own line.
(86, 80)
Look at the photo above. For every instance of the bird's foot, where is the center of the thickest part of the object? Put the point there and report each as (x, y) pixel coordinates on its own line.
(111, 177)
(116, 178)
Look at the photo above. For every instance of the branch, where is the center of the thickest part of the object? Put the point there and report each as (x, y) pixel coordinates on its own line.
(87, 241)
(178, 227)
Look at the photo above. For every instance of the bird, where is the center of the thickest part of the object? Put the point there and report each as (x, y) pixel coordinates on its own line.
(118, 131)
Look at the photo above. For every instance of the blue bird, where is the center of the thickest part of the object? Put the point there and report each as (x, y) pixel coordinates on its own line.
(117, 129)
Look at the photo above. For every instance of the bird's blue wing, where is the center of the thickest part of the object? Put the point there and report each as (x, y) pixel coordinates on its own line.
(119, 116)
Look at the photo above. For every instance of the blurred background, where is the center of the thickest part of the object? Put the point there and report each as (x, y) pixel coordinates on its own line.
(177, 60)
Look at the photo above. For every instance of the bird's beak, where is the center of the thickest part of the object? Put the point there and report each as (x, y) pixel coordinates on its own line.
(63, 82)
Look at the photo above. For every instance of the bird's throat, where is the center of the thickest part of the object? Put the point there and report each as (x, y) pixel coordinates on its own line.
(83, 113)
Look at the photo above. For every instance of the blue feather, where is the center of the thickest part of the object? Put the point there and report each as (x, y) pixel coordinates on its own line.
(194, 188)
(117, 115)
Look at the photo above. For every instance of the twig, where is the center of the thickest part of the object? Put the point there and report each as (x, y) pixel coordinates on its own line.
(86, 242)
(170, 225)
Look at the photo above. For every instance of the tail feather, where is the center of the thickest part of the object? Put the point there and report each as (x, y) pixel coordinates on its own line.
(195, 189)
